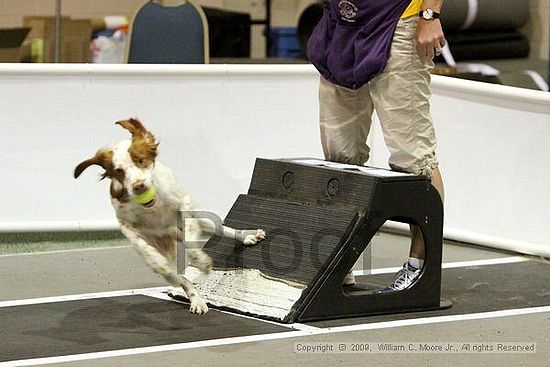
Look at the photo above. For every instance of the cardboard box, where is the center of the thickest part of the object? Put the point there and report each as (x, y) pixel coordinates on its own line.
(75, 39)
(10, 43)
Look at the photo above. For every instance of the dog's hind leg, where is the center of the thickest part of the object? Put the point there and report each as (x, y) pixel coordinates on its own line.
(199, 259)
(196, 256)
(162, 266)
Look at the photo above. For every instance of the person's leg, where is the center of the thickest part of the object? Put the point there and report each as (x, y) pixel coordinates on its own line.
(345, 120)
(401, 97)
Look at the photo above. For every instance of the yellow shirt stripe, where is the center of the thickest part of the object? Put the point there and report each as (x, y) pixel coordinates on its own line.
(413, 9)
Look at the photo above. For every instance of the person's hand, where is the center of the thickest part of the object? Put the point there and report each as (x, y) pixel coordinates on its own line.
(430, 38)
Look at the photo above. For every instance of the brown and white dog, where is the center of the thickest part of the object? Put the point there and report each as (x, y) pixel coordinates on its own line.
(151, 227)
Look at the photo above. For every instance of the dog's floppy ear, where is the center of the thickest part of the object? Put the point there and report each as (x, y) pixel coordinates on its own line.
(102, 158)
(134, 126)
(141, 138)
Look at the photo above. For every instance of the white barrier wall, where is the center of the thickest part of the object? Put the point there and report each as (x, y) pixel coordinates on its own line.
(211, 122)
(214, 120)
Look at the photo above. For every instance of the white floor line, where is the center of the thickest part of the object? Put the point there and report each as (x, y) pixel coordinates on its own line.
(450, 265)
(436, 320)
(129, 292)
(155, 349)
(276, 336)
(304, 327)
(485, 262)
(161, 295)
(77, 297)
(65, 251)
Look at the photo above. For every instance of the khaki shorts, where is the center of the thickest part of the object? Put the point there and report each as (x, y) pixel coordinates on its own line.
(400, 95)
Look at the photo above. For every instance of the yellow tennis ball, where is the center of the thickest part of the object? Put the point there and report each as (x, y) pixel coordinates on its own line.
(147, 196)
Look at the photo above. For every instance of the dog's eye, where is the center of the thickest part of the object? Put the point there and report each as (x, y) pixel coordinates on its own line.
(141, 162)
(119, 172)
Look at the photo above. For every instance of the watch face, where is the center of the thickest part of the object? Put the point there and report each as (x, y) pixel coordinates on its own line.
(428, 14)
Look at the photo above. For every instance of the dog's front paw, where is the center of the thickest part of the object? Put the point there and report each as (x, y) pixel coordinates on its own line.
(252, 237)
(198, 306)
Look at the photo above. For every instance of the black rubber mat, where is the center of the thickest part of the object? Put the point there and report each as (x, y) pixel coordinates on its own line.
(472, 290)
(74, 327)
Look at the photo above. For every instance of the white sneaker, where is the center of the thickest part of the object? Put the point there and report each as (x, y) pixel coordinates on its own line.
(403, 279)
(349, 279)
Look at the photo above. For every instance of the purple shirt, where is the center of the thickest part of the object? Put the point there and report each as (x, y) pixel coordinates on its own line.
(352, 41)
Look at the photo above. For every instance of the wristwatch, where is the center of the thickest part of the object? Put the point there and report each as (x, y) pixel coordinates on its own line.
(428, 14)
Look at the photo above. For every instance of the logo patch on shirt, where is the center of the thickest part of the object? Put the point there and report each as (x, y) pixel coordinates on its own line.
(348, 10)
